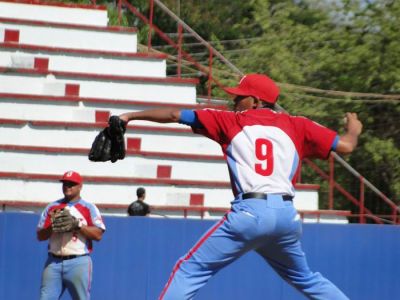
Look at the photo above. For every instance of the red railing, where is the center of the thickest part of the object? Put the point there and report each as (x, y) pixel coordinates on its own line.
(200, 211)
(183, 58)
(360, 202)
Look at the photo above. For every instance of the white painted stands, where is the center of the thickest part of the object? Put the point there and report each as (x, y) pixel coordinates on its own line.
(20, 56)
(54, 12)
(63, 72)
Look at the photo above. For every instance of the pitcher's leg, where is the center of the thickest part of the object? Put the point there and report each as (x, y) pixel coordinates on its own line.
(289, 261)
(216, 249)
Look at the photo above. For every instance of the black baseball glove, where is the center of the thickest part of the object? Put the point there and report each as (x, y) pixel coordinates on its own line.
(109, 144)
(63, 221)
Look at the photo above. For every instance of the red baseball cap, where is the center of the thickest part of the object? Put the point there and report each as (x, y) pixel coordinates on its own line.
(72, 176)
(256, 85)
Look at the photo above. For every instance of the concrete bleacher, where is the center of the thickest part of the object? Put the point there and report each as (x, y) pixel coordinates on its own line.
(16, 55)
(56, 83)
(55, 12)
(75, 36)
(60, 79)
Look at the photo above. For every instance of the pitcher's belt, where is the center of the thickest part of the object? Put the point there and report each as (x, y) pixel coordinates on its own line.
(65, 257)
(263, 196)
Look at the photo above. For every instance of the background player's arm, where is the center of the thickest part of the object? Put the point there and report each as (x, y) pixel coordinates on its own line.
(348, 141)
(44, 233)
(91, 232)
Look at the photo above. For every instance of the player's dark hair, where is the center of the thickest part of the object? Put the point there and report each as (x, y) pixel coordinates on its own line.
(270, 105)
(140, 192)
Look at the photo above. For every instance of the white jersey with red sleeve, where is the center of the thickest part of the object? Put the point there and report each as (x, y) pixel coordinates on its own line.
(263, 148)
(72, 243)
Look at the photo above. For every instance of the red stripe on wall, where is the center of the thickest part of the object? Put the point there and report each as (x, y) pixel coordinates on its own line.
(41, 63)
(164, 171)
(102, 116)
(11, 36)
(134, 144)
(197, 199)
(72, 89)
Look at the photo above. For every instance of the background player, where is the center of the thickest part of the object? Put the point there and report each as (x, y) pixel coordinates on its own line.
(139, 207)
(71, 224)
(263, 149)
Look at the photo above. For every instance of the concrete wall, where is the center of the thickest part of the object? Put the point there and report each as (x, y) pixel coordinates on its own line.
(136, 255)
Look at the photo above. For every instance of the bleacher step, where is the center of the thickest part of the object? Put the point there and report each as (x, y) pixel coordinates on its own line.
(57, 12)
(39, 82)
(122, 39)
(81, 135)
(78, 61)
(132, 166)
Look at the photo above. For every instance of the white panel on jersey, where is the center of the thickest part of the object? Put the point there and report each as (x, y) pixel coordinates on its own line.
(281, 162)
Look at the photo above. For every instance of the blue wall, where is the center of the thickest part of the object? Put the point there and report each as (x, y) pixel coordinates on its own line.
(136, 255)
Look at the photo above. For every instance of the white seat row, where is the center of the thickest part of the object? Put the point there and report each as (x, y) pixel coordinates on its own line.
(136, 166)
(103, 190)
(168, 90)
(69, 134)
(73, 36)
(45, 112)
(141, 66)
(67, 111)
(56, 12)
(50, 108)
(15, 188)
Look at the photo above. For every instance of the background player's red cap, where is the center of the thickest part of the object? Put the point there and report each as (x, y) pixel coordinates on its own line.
(256, 85)
(72, 176)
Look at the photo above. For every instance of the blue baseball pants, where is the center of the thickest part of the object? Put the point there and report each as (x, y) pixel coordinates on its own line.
(75, 275)
(272, 228)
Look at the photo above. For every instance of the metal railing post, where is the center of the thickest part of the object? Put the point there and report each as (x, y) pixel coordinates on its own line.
(298, 179)
(362, 201)
(395, 208)
(394, 215)
(210, 62)
(151, 4)
(331, 181)
(198, 37)
(119, 12)
(180, 36)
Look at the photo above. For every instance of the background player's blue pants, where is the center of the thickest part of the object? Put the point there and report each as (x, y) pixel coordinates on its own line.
(272, 228)
(72, 274)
